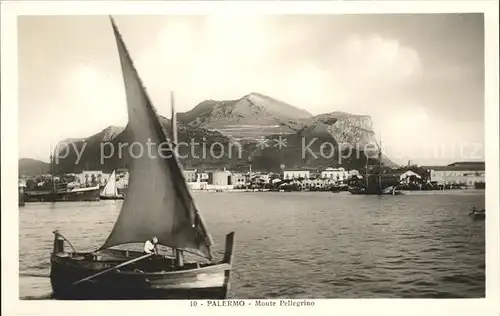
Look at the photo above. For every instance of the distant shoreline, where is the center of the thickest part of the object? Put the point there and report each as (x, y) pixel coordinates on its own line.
(406, 192)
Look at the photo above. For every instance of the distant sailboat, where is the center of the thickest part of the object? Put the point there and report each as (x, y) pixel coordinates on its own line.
(110, 191)
(376, 182)
(158, 203)
(64, 194)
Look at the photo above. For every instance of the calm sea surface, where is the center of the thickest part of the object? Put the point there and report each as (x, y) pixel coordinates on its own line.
(302, 244)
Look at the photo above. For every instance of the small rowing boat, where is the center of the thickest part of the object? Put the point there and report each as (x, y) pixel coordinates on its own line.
(475, 214)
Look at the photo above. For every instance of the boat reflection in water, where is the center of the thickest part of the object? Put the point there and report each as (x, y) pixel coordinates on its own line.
(158, 203)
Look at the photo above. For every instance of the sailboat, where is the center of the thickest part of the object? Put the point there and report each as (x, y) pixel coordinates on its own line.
(62, 195)
(376, 182)
(110, 191)
(158, 204)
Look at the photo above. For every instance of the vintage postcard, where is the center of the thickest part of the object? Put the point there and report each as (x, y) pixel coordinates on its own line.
(265, 156)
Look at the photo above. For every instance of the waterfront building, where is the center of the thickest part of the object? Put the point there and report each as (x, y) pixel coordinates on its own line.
(338, 174)
(90, 177)
(318, 183)
(202, 176)
(190, 175)
(353, 173)
(219, 178)
(197, 185)
(296, 174)
(315, 175)
(238, 179)
(459, 173)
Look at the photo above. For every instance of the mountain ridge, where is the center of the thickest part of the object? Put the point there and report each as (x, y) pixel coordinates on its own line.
(246, 121)
(32, 167)
(250, 116)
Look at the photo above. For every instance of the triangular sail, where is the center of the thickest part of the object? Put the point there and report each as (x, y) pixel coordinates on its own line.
(158, 202)
(110, 188)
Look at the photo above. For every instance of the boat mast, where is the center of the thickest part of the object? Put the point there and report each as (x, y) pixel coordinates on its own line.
(52, 170)
(250, 171)
(366, 172)
(179, 255)
(115, 190)
(380, 164)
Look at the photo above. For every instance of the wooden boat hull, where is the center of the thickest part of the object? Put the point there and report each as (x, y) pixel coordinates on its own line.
(374, 192)
(151, 278)
(364, 192)
(478, 216)
(66, 196)
(198, 283)
(105, 197)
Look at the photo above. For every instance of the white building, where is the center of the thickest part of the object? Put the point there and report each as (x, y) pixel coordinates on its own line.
(219, 178)
(295, 174)
(190, 175)
(338, 174)
(318, 183)
(85, 178)
(353, 173)
(202, 176)
(197, 185)
(238, 179)
(466, 173)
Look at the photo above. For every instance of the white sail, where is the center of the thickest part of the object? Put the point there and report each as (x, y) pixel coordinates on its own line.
(110, 188)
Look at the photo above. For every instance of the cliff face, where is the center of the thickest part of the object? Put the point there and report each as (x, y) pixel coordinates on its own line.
(229, 132)
(255, 116)
(346, 129)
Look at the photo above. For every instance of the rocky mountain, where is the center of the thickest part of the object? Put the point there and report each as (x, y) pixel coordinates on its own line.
(255, 116)
(230, 133)
(249, 117)
(102, 150)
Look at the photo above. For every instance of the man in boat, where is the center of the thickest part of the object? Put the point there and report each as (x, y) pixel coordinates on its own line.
(151, 246)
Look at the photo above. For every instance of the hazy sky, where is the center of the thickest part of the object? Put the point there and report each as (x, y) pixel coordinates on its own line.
(420, 77)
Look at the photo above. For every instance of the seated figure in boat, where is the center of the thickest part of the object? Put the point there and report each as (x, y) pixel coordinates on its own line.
(151, 246)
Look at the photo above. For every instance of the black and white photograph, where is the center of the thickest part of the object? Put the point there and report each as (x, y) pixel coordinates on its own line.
(259, 159)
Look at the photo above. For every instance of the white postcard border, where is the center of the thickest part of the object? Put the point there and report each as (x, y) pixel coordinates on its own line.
(11, 305)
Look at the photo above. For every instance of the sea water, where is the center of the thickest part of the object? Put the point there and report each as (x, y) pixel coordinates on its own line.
(302, 244)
